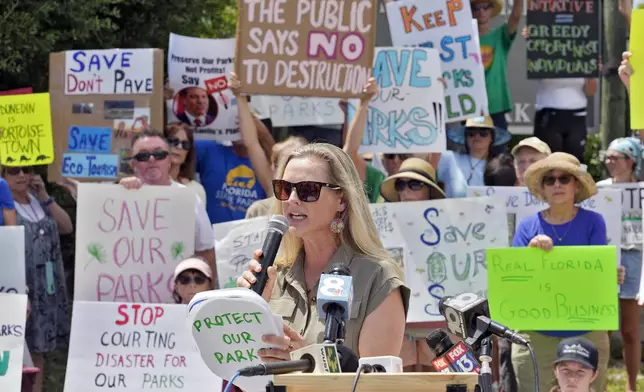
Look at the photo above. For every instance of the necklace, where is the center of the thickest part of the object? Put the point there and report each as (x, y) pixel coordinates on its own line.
(33, 218)
(568, 226)
(472, 167)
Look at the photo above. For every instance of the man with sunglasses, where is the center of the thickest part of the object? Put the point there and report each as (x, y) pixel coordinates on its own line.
(495, 47)
(151, 163)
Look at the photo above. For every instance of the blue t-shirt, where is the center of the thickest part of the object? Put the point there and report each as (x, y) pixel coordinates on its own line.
(586, 228)
(229, 181)
(6, 199)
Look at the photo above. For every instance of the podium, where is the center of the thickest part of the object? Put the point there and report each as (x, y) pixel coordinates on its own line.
(378, 382)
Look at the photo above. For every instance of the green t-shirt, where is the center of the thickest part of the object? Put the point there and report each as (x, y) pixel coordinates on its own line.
(495, 47)
(372, 183)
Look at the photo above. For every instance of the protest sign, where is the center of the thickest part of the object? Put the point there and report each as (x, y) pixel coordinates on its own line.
(299, 111)
(235, 243)
(308, 48)
(198, 70)
(134, 347)
(12, 243)
(13, 316)
(632, 195)
(99, 100)
(448, 27)
(25, 130)
(129, 242)
(551, 290)
(636, 47)
(408, 114)
(389, 232)
(563, 39)
(228, 326)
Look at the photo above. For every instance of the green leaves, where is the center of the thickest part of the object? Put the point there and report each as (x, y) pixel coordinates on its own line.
(177, 250)
(96, 252)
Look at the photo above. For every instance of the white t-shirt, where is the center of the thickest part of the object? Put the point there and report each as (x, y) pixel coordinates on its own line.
(566, 94)
(204, 237)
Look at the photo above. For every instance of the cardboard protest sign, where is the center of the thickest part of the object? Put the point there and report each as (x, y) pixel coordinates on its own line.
(408, 114)
(129, 242)
(12, 242)
(448, 27)
(99, 100)
(305, 48)
(564, 39)
(134, 347)
(632, 195)
(299, 111)
(13, 316)
(198, 70)
(228, 326)
(636, 46)
(25, 130)
(571, 288)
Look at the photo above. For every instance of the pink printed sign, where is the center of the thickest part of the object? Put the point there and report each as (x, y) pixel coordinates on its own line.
(129, 242)
(305, 47)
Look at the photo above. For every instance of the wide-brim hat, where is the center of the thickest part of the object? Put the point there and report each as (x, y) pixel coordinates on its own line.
(501, 136)
(497, 6)
(566, 163)
(414, 169)
(534, 143)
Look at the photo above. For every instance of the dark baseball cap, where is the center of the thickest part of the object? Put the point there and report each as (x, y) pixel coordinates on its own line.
(579, 350)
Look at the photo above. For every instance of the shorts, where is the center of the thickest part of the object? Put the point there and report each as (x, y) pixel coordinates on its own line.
(632, 263)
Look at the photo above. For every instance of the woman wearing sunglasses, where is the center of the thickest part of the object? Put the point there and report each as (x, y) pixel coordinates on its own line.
(191, 277)
(624, 162)
(183, 158)
(43, 221)
(320, 193)
(561, 182)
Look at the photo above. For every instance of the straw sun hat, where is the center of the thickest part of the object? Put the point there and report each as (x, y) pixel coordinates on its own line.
(414, 169)
(566, 163)
(496, 6)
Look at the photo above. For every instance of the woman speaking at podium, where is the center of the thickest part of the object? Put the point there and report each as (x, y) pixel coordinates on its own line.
(320, 193)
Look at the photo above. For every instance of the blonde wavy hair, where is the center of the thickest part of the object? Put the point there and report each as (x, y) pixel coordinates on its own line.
(360, 233)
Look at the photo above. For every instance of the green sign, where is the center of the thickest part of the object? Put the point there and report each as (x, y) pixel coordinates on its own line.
(571, 288)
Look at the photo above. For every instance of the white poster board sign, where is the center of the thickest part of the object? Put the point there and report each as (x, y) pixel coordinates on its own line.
(134, 347)
(198, 70)
(298, 111)
(128, 242)
(632, 195)
(13, 316)
(12, 244)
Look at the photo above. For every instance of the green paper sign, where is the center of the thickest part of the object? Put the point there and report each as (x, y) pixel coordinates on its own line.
(571, 288)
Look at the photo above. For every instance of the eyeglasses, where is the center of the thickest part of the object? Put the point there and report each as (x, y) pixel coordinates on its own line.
(402, 157)
(414, 185)
(187, 279)
(614, 159)
(480, 132)
(307, 191)
(144, 156)
(481, 6)
(175, 142)
(14, 171)
(551, 180)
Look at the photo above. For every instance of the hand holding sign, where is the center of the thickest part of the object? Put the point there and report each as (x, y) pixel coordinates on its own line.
(626, 70)
(370, 91)
(248, 279)
(542, 242)
(283, 345)
(234, 84)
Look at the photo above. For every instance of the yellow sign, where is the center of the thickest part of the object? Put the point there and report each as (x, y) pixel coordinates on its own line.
(25, 130)
(636, 95)
(571, 288)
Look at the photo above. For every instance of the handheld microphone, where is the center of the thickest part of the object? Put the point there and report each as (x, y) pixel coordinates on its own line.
(468, 316)
(334, 297)
(305, 364)
(277, 226)
(450, 357)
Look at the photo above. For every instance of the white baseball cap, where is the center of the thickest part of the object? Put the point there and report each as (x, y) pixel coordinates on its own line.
(195, 264)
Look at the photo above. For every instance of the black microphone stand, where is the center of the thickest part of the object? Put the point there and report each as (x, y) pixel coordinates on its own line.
(485, 375)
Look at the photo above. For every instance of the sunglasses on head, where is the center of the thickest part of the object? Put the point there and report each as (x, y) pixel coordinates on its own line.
(402, 157)
(144, 156)
(175, 142)
(551, 180)
(481, 6)
(187, 279)
(14, 171)
(414, 185)
(480, 132)
(307, 191)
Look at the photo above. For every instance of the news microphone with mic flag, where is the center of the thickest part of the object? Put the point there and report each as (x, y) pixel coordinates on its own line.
(334, 297)
(316, 358)
(277, 226)
(450, 357)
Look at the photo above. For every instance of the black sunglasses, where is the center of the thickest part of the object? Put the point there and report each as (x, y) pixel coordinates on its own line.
(480, 132)
(307, 191)
(402, 157)
(414, 185)
(187, 279)
(14, 171)
(175, 142)
(551, 180)
(144, 156)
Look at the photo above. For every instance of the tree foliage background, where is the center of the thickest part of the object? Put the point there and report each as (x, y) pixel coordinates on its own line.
(31, 29)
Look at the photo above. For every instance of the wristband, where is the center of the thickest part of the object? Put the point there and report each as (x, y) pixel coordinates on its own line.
(48, 202)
